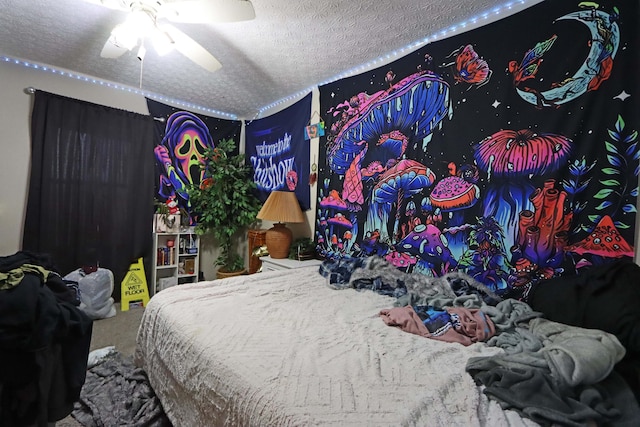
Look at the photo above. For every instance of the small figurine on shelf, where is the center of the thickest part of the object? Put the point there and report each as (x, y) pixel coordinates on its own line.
(172, 204)
(166, 218)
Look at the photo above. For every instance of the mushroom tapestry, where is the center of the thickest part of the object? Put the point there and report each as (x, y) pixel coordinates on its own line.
(509, 152)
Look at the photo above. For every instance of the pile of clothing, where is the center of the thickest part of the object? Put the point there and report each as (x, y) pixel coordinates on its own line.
(560, 347)
(96, 286)
(44, 342)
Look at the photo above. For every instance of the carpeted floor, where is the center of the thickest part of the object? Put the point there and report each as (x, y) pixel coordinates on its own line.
(119, 331)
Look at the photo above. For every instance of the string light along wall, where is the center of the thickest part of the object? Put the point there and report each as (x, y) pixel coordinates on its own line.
(98, 82)
(475, 21)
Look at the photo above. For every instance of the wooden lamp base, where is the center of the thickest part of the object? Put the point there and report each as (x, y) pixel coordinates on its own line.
(278, 240)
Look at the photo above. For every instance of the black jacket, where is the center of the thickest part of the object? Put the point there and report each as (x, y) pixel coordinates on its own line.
(44, 345)
(605, 297)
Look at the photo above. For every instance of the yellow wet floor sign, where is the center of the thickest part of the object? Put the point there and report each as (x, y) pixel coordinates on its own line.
(134, 287)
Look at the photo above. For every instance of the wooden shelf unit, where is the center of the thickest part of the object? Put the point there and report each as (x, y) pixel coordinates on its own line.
(175, 263)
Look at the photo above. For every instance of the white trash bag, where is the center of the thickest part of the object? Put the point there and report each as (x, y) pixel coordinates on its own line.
(95, 292)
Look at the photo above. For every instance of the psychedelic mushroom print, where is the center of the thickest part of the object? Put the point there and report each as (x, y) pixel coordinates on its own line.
(431, 249)
(409, 212)
(371, 244)
(375, 130)
(337, 222)
(510, 159)
(604, 242)
(333, 201)
(329, 205)
(401, 260)
(400, 182)
(369, 137)
(452, 195)
(544, 231)
(486, 257)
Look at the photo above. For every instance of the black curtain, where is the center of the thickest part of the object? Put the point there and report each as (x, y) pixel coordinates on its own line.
(91, 187)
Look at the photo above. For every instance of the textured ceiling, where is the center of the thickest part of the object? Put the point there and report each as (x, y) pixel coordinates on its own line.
(291, 46)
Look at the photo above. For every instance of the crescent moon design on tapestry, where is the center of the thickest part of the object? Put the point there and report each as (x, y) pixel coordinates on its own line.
(605, 38)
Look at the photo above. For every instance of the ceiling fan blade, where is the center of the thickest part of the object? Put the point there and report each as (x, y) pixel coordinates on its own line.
(208, 11)
(112, 50)
(191, 49)
(111, 4)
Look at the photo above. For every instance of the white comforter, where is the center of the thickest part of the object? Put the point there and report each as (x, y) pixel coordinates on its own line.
(282, 348)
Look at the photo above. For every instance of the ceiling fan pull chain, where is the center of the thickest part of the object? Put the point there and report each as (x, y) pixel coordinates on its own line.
(141, 67)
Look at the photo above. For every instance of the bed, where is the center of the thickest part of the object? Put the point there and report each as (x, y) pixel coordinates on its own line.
(284, 348)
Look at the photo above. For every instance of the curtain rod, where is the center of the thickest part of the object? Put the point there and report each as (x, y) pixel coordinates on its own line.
(30, 90)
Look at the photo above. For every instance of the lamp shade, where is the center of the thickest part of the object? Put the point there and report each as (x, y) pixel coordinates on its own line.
(280, 207)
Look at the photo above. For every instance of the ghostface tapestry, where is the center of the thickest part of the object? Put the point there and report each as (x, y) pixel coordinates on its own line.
(509, 152)
(278, 152)
(182, 138)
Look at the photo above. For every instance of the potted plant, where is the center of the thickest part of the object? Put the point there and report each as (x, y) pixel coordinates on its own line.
(225, 202)
(302, 249)
(165, 217)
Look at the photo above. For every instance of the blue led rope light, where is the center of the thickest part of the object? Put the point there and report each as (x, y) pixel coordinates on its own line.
(354, 71)
(92, 80)
(400, 52)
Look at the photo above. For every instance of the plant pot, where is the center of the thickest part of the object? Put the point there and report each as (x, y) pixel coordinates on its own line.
(225, 274)
(304, 256)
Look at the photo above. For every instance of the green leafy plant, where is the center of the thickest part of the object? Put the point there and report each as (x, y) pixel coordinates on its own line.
(163, 211)
(303, 246)
(225, 201)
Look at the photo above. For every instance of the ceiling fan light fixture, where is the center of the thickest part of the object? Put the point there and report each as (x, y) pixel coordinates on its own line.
(123, 36)
(144, 23)
(141, 20)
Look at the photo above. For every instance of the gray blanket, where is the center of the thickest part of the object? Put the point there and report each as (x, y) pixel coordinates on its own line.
(117, 393)
(565, 380)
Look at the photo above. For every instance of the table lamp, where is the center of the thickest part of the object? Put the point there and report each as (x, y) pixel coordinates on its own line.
(280, 207)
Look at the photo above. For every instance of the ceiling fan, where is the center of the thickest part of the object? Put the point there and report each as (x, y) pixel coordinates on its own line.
(146, 21)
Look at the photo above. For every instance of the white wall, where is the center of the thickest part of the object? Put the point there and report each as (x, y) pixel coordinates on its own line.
(15, 141)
